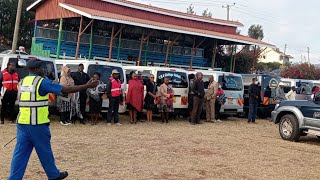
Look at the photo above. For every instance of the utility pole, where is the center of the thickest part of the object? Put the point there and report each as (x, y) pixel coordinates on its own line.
(284, 52)
(16, 28)
(308, 56)
(228, 9)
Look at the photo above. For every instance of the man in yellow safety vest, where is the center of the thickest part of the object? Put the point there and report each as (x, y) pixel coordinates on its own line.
(33, 123)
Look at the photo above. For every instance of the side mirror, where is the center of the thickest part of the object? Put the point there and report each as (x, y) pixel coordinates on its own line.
(22, 62)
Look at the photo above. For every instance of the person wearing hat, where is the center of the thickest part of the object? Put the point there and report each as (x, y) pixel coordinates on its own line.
(114, 93)
(33, 124)
(9, 79)
(280, 96)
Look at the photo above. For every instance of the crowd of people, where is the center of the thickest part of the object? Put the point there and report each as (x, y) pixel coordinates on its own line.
(72, 105)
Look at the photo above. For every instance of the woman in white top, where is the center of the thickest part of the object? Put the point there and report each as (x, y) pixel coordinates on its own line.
(291, 95)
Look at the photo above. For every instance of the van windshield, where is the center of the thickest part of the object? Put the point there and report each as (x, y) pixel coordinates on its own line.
(233, 83)
(48, 69)
(104, 70)
(176, 79)
(145, 74)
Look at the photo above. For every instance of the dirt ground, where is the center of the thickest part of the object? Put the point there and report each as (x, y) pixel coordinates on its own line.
(233, 149)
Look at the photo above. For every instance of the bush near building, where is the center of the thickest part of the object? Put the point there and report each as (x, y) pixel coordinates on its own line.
(301, 71)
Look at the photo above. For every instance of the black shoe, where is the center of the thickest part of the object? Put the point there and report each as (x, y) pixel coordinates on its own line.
(63, 175)
(2, 122)
(199, 123)
(82, 122)
(192, 123)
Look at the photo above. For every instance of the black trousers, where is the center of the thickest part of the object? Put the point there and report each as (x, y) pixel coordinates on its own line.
(7, 106)
(190, 102)
(83, 101)
(218, 107)
(114, 103)
(197, 108)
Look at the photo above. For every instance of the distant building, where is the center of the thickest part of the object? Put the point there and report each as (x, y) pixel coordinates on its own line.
(270, 55)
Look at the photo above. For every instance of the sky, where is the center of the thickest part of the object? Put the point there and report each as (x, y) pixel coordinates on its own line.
(294, 23)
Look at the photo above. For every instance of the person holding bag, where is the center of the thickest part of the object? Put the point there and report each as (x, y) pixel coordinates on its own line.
(166, 103)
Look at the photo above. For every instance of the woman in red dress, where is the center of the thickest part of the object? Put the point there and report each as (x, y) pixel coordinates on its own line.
(134, 97)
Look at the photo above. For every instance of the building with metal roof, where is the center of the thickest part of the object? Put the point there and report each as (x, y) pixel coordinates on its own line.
(125, 30)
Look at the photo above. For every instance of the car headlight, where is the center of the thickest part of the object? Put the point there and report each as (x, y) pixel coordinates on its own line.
(277, 105)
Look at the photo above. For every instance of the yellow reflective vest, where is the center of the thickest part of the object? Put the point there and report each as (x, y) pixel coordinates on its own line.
(33, 108)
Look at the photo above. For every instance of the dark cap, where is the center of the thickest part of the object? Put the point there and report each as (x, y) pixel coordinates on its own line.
(34, 63)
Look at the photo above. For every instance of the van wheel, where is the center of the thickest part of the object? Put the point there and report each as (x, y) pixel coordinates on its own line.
(318, 137)
(289, 128)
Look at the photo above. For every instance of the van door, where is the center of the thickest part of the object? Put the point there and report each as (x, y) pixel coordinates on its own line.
(180, 84)
(233, 90)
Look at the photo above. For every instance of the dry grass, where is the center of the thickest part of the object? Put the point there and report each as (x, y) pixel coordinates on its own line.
(230, 150)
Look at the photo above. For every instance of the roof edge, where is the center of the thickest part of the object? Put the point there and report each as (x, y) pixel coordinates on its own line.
(193, 17)
(33, 5)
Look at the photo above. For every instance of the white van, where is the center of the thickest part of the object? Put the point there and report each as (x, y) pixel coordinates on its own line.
(232, 85)
(50, 70)
(177, 78)
(104, 68)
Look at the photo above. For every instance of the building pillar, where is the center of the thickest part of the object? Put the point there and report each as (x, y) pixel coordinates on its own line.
(231, 59)
(79, 38)
(91, 41)
(111, 43)
(119, 46)
(59, 38)
(214, 53)
(35, 28)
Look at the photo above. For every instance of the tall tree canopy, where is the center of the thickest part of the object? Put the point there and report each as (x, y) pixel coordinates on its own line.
(206, 13)
(256, 31)
(8, 12)
(190, 9)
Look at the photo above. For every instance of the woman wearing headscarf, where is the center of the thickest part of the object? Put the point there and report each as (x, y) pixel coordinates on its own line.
(69, 103)
(134, 97)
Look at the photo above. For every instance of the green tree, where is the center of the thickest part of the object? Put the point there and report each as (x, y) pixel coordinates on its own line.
(8, 12)
(268, 67)
(206, 13)
(190, 9)
(256, 32)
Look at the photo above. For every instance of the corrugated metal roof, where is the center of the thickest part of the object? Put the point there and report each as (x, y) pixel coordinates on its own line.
(158, 10)
(112, 17)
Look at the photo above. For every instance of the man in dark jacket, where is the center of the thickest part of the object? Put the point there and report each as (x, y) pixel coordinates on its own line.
(254, 100)
(190, 95)
(81, 78)
(198, 90)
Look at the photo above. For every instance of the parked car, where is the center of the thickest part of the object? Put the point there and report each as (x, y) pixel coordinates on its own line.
(297, 118)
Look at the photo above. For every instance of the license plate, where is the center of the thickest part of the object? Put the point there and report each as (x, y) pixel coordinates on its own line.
(230, 101)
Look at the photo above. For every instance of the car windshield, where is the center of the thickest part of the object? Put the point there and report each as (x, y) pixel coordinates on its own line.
(233, 83)
(48, 69)
(176, 79)
(105, 71)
